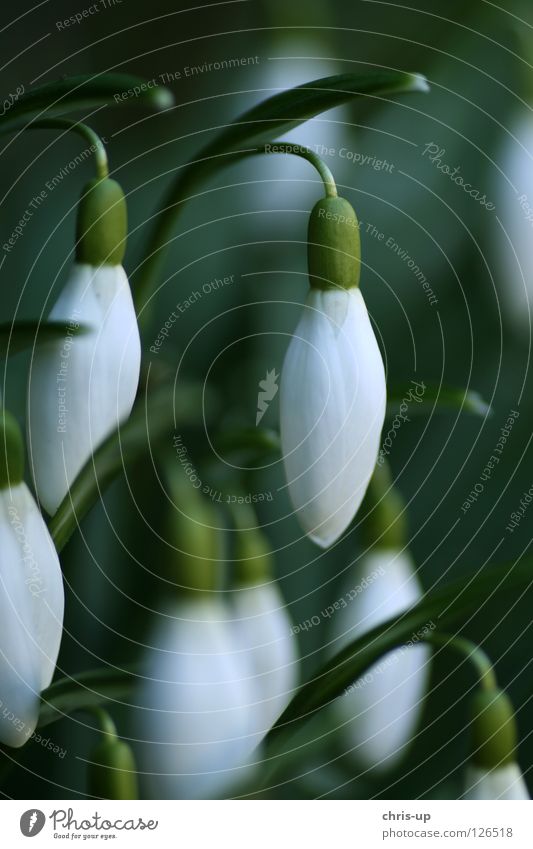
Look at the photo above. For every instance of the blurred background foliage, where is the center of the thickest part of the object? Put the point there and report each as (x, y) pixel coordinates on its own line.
(250, 223)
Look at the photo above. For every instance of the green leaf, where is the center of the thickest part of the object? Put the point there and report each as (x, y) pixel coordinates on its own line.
(435, 398)
(81, 92)
(265, 122)
(151, 420)
(440, 609)
(16, 336)
(87, 690)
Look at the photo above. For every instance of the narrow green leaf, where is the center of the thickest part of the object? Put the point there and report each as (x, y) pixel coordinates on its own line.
(151, 420)
(87, 690)
(82, 92)
(440, 609)
(427, 397)
(265, 122)
(16, 336)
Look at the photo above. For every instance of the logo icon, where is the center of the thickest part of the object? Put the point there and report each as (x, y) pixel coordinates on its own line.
(32, 822)
(268, 388)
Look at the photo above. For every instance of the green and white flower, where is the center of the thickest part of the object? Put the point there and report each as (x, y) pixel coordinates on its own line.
(31, 595)
(82, 386)
(333, 391)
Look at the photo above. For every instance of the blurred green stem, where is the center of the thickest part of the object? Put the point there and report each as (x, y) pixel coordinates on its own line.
(470, 651)
(105, 723)
(100, 155)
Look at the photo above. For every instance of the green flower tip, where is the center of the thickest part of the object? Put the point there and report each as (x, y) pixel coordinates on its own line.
(385, 518)
(112, 772)
(11, 451)
(334, 246)
(494, 734)
(101, 226)
(254, 559)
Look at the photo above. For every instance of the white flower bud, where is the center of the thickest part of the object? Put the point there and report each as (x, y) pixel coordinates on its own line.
(82, 386)
(31, 612)
(505, 782)
(195, 700)
(332, 405)
(263, 634)
(380, 712)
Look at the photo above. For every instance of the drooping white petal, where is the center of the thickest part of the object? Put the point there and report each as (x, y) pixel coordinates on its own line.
(382, 709)
(507, 782)
(264, 637)
(332, 407)
(82, 386)
(31, 613)
(512, 231)
(195, 722)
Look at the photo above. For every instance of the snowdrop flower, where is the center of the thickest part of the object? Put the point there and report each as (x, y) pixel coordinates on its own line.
(195, 701)
(263, 631)
(380, 712)
(82, 386)
(333, 392)
(31, 595)
(493, 772)
(196, 695)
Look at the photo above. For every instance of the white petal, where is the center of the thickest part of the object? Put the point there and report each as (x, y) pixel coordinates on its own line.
(332, 405)
(264, 636)
(383, 708)
(31, 613)
(507, 782)
(513, 256)
(81, 387)
(196, 699)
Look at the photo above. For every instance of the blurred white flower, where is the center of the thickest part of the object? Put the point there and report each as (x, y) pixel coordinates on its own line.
(263, 634)
(31, 612)
(512, 240)
(505, 782)
(82, 386)
(195, 698)
(381, 711)
(332, 407)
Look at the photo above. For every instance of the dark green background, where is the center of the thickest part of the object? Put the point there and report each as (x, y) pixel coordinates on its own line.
(476, 59)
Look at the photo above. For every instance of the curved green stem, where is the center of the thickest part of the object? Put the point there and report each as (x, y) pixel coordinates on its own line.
(105, 723)
(100, 154)
(306, 153)
(471, 651)
(170, 211)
